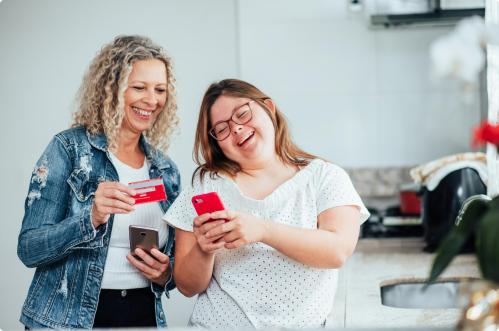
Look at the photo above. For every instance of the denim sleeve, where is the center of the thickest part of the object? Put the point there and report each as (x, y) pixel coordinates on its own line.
(47, 235)
(170, 251)
(170, 284)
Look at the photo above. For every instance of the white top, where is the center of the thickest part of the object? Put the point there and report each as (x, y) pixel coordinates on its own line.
(119, 273)
(256, 285)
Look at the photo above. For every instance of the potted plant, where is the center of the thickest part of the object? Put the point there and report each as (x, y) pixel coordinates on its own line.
(480, 217)
(461, 56)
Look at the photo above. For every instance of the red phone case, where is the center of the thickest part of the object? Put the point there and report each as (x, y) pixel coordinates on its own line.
(207, 203)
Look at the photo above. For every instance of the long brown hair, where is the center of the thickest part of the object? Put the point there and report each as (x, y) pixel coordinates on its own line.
(207, 153)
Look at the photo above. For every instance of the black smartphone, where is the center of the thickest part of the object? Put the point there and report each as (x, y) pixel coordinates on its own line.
(144, 238)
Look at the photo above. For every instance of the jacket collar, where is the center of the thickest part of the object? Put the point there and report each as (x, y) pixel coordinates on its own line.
(157, 159)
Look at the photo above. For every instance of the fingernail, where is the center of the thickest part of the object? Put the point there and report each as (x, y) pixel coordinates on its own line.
(207, 234)
(221, 222)
(138, 250)
(133, 192)
(132, 201)
(133, 208)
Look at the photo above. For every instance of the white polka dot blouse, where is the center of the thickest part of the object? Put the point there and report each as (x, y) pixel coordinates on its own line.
(256, 286)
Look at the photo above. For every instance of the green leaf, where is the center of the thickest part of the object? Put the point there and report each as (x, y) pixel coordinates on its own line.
(488, 243)
(494, 203)
(452, 243)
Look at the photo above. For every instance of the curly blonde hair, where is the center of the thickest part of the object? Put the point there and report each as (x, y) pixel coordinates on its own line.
(100, 98)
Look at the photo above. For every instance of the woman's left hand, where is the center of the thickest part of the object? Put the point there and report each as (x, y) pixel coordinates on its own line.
(242, 228)
(156, 270)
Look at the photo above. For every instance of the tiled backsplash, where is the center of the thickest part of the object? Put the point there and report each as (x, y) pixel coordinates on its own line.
(379, 182)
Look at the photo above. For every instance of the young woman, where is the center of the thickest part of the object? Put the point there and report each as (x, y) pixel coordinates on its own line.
(293, 219)
(75, 226)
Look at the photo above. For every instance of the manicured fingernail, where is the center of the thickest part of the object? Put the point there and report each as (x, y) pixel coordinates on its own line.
(133, 192)
(132, 201)
(207, 234)
(221, 222)
(138, 250)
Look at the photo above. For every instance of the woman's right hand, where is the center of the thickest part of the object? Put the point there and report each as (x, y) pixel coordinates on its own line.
(207, 245)
(110, 198)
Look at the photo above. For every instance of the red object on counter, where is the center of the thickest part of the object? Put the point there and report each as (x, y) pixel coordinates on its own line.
(410, 203)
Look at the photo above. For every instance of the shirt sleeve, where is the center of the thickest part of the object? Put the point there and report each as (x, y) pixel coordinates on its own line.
(336, 189)
(181, 213)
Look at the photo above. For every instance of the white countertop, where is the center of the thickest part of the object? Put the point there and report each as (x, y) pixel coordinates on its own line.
(378, 262)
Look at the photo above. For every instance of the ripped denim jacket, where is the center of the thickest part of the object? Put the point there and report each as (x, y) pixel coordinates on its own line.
(57, 236)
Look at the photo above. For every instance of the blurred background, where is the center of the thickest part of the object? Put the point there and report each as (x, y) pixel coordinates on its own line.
(356, 94)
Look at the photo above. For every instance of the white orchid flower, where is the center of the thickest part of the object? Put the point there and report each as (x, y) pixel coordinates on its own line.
(460, 54)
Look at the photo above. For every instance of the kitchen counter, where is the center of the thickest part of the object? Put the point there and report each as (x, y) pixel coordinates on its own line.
(379, 262)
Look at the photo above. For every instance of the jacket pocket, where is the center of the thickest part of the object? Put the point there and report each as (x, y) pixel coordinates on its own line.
(36, 285)
(83, 187)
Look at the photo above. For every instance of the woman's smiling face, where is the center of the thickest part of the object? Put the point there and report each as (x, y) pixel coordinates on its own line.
(145, 95)
(248, 144)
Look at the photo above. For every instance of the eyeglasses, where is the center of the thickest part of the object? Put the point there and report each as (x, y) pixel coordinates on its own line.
(242, 115)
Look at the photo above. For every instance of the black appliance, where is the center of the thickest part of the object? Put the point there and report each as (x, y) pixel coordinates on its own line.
(441, 206)
(374, 227)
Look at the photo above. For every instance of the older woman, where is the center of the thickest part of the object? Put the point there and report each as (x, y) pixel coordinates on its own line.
(79, 205)
(293, 219)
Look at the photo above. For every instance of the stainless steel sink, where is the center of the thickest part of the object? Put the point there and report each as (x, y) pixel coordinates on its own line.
(411, 295)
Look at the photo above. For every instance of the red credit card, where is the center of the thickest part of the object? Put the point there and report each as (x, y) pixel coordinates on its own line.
(149, 190)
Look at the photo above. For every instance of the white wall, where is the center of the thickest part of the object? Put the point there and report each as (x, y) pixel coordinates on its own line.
(357, 97)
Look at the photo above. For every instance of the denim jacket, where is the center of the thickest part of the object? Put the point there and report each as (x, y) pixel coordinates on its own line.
(57, 236)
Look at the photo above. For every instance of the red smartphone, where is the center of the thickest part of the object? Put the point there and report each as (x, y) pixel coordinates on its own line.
(208, 203)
